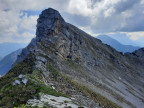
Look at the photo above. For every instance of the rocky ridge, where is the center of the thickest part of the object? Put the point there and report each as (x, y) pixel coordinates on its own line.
(137, 54)
(81, 66)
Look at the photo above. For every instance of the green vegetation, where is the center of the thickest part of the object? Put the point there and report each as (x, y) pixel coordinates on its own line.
(13, 96)
(65, 101)
(19, 94)
(24, 67)
(48, 90)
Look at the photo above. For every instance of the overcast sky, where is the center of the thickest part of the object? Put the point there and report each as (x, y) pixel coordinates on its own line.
(122, 19)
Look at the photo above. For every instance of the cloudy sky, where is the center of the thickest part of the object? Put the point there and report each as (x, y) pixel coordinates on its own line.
(120, 19)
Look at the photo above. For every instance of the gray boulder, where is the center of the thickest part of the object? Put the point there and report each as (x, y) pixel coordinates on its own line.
(24, 81)
(16, 82)
(21, 76)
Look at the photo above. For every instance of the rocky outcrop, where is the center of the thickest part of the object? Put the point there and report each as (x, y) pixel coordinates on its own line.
(139, 53)
(137, 57)
(21, 79)
(53, 102)
(54, 33)
(49, 22)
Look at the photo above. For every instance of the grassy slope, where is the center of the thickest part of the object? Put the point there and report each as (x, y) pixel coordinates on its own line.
(11, 96)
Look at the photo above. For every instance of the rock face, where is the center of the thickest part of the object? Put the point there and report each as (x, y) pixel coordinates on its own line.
(61, 48)
(49, 22)
(139, 53)
(56, 35)
(137, 57)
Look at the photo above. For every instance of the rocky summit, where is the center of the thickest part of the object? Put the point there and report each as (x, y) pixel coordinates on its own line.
(67, 68)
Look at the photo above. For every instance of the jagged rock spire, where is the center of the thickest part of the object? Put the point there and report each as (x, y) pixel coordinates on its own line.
(50, 22)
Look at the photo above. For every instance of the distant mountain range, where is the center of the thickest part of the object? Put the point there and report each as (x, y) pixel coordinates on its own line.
(7, 48)
(7, 61)
(117, 45)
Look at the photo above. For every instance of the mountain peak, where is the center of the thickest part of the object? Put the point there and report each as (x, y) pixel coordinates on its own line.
(49, 22)
(70, 61)
(50, 14)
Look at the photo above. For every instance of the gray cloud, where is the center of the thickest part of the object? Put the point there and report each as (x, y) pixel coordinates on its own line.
(125, 5)
(16, 25)
(95, 16)
(127, 16)
(77, 20)
(32, 4)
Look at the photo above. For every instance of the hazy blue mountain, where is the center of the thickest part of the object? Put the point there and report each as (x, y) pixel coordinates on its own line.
(117, 45)
(0, 58)
(123, 39)
(7, 61)
(7, 48)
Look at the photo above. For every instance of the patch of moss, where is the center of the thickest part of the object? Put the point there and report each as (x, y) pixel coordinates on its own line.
(48, 90)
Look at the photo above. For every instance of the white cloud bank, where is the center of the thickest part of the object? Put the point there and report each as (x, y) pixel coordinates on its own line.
(93, 16)
(15, 26)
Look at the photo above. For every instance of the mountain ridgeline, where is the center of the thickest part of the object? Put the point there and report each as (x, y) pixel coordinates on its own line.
(7, 48)
(75, 65)
(6, 63)
(117, 45)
